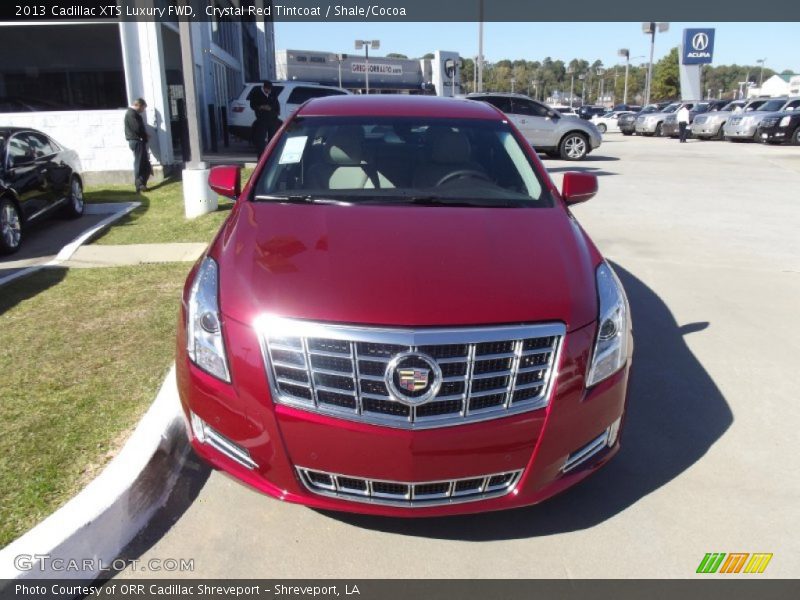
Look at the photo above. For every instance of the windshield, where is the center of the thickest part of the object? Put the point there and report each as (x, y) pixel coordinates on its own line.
(754, 105)
(772, 105)
(419, 160)
(730, 106)
(671, 108)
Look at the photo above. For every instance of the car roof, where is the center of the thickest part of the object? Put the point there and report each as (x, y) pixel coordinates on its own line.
(504, 94)
(6, 131)
(399, 105)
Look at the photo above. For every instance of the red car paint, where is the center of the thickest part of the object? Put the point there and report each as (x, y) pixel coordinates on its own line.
(324, 263)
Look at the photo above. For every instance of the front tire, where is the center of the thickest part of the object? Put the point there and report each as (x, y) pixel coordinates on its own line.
(75, 203)
(10, 227)
(627, 133)
(602, 128)
(658, 132)
(796, 137)
(574, 146)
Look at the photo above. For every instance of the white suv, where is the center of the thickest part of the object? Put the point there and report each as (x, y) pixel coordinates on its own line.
(291, 94)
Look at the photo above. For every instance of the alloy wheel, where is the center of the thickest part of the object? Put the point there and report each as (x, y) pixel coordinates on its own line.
(10, 226)
(575, 147)
(76, 196)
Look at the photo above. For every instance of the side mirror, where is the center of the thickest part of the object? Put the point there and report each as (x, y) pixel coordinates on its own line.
(226, 181)
(578, 187)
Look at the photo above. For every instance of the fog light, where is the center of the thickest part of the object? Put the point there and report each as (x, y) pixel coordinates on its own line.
(613, 432)
(207, 435)
(198, 428)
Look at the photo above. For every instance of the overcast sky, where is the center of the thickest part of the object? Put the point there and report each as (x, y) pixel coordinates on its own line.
(736, 43)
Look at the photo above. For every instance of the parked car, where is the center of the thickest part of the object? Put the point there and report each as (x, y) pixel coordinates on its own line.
(290, 94)
(627, 108)
(671, 128)
(587, 112)
(709, 125)
(744, 127)
(566, 111)
(38, 176)
(607, 123)
(627, 122)
(781, 128)
(652, 123)
(546, 129)
(341, 345)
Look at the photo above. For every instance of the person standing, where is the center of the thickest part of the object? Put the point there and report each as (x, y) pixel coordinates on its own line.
(137, 136)
(267, 109)
(683, 122)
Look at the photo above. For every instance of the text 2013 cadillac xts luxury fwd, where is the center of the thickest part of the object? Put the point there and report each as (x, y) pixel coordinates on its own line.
(402, 317)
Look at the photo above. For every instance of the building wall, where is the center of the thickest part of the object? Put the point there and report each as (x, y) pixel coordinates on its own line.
(97, 136)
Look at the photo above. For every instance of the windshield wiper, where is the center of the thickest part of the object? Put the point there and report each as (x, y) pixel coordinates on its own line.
(301, 199)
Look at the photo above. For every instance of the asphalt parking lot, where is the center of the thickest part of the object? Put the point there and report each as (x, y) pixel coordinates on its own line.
(705, 238)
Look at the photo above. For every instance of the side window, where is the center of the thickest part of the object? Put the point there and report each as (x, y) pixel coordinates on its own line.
(40, 144)
(19, 152)
(501, 102)
(300, 94)
(526, 107)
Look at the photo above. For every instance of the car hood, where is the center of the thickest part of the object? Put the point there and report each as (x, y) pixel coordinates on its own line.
(406, 265)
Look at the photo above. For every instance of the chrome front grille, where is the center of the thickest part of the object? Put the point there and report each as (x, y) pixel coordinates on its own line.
(410, 494)
(485, 372)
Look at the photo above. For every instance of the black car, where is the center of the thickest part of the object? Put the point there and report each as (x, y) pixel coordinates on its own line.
(627, 108)
(780, 128)
(37, 176)
(587, 112)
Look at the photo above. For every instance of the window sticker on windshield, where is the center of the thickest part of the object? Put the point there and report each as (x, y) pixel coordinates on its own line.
(293, 150)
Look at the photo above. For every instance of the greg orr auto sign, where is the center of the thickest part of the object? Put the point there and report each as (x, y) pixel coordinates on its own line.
(698, 46)
(377, 69)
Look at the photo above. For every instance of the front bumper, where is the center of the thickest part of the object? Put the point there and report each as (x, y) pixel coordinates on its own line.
(670, 129)
(740, 132)
(646, 127)
(707, 129)
(774, 135)
(280, 440)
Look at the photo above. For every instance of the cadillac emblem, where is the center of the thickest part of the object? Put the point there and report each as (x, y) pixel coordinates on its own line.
(413, 378)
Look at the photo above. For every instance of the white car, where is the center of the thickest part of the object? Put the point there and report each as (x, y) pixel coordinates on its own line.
(566, 111)
(607, 123)
(291, 94)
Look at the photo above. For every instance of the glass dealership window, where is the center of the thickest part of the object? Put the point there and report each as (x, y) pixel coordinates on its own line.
(61, 67)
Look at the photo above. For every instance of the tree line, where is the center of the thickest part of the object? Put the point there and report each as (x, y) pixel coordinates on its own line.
(588, 80)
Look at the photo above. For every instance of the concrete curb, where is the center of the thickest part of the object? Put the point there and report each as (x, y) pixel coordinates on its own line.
(67, 251)
(105, 516)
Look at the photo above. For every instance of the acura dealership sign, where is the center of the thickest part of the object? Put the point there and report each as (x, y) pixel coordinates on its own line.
(698, 46)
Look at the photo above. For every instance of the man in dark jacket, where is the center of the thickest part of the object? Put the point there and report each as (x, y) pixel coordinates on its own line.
(267, 109)
(137, 137)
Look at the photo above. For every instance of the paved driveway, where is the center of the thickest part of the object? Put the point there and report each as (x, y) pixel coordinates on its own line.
(705, 238)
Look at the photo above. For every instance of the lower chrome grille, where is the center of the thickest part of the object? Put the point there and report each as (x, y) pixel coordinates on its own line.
(464, 374)
(410, 494)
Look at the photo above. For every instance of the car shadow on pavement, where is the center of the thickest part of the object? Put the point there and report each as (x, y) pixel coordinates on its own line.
(675, 414)
(29, 286)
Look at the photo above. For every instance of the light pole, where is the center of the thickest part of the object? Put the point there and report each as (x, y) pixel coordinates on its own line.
(367, 44)
(650, 28)
(720, 94)
(513, 81)
(339, 58)
(475, 74)
(535, 89)
(582, 77)
(600, 71)
(627, 54)
(761, 62)
(571, 71)
(480, 46)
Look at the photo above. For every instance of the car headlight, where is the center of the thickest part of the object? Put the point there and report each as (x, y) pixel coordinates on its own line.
(613, 322)
(204, 328)
(785, 121)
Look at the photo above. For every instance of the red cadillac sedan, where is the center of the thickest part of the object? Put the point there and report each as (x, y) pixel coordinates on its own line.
(402, 317)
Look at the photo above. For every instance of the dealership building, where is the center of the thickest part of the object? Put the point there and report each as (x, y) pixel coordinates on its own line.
(438, 75)
(74, 80)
